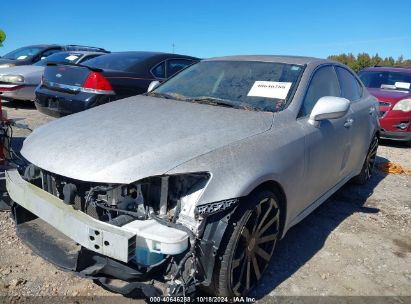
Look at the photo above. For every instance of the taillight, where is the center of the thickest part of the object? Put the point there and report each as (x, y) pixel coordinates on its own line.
(96, 83)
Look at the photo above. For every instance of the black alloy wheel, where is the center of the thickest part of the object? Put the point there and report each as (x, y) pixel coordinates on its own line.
(369, 163)
(250, 245)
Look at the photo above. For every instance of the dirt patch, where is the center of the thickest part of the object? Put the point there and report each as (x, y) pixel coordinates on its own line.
(404, 247)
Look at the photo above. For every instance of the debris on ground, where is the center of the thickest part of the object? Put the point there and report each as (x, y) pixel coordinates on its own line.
(393, 168)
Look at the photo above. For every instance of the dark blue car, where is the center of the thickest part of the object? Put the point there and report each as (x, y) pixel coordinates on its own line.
(70, 88)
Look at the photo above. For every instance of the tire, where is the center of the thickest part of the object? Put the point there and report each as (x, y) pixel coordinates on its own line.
(369, 163)
(248, 245)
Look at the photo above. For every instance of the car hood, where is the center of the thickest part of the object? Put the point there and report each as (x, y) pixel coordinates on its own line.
(4, 61)
(31, 73)
(389, 95)
(137, 137)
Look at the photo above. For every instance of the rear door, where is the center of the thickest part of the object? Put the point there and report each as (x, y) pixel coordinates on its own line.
(127, 84)
(327, 145)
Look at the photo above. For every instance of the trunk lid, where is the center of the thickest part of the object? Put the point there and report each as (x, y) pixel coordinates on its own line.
(65, 77)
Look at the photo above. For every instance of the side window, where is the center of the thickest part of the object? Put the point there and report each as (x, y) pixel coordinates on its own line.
(323, 83)
(159, 70)
(350, 88)
(49, 52)
(176, 65)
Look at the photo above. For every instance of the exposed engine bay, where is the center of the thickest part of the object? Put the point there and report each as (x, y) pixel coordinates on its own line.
(162, 197)
(160, 210)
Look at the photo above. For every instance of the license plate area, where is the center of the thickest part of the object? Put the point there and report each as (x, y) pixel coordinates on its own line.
(53, 103)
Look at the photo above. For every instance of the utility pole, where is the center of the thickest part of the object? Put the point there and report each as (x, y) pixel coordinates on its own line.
(173, 47)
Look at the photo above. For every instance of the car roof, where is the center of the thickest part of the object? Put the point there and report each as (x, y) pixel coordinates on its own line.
(66, 47)
(148, 54)
(270, 58)
(405, 69)
(81, 52)
(39, 45)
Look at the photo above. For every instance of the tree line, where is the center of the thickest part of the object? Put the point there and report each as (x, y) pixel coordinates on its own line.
(364, 60)
(2, 37)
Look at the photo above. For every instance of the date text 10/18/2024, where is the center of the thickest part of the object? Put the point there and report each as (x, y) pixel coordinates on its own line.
(201, 300)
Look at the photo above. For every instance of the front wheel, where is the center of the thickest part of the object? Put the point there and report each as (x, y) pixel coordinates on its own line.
(248, 245)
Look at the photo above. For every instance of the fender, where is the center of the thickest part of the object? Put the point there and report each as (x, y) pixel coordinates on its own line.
(214, 231)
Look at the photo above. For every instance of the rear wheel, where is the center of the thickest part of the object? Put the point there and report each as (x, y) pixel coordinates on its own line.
(248, 245)
(369, 163)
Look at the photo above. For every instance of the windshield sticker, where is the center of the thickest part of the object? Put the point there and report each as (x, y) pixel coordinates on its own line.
(270, 89)
(388, 86)
(71, 57)
(402, 85)
(21, 57)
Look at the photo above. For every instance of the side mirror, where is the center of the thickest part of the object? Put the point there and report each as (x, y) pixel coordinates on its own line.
(154, 84)
(329, 107)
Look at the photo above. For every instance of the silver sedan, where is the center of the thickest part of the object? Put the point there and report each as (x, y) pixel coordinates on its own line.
(200, 177)
(20, 82)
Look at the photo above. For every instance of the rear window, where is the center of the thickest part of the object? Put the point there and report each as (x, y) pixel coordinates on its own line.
(118, 62)
(68, 57)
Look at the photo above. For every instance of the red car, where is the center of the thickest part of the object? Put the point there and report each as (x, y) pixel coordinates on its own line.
(392, 87)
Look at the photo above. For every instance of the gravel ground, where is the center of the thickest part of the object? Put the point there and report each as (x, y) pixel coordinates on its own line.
(358, 243)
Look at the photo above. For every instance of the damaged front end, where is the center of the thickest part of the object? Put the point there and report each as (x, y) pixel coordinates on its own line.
(123, 236)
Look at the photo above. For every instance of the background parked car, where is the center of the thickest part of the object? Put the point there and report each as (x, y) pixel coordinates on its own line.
(392, 86)
(33, 53)
(68, 89)
(20, 82)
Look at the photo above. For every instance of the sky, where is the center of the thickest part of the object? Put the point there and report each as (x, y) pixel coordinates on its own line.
(214, 28)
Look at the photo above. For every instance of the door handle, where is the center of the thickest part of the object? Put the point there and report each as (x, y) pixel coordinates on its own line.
(348, 123)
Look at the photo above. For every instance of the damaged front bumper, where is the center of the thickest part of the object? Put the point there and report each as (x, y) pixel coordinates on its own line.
(120, 243)
(138, 254)
(119, 247)
(58, 249)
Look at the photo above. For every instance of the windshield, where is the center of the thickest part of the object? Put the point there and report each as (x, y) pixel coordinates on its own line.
(22, 53)
(118, 62)
(386, 80)
(67, 57)
(251, 85)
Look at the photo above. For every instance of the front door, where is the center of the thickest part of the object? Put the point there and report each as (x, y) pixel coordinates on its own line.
(327, 144)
